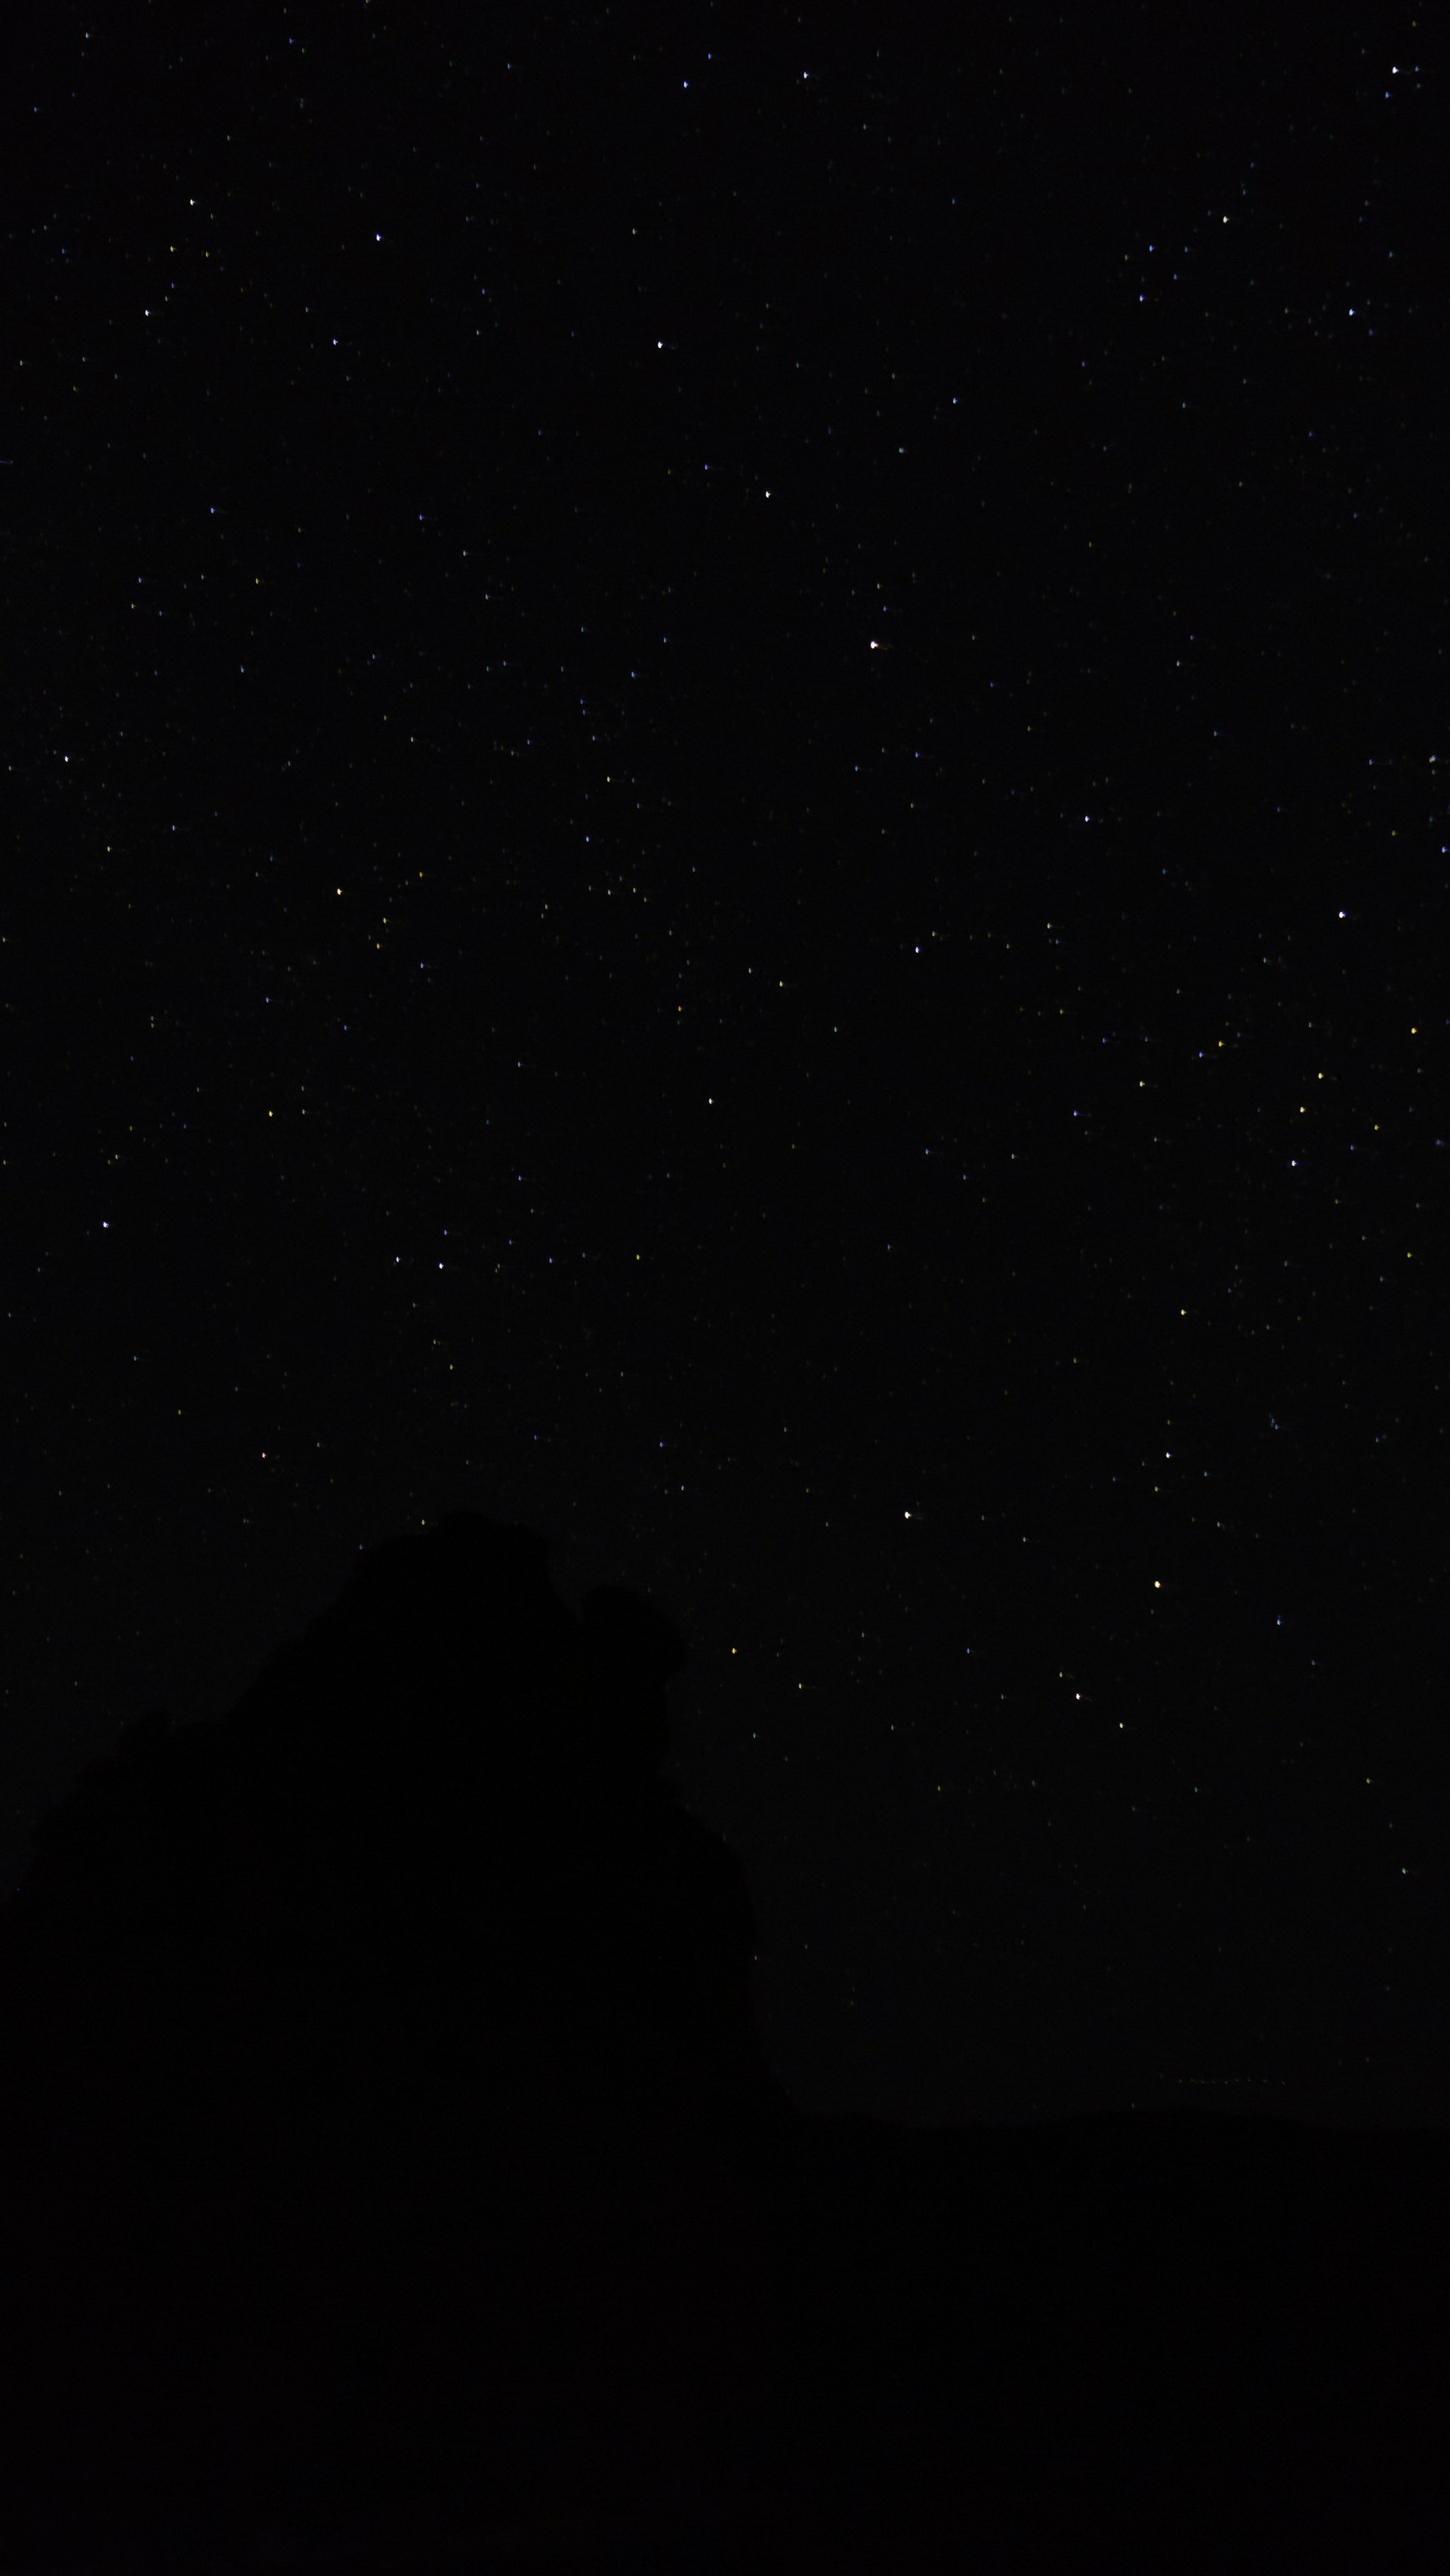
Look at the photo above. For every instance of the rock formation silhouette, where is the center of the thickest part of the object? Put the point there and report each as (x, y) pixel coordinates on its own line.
(375, 2062)
(392, 2179)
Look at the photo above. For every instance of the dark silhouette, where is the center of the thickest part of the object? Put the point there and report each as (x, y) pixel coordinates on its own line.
(392, 2179)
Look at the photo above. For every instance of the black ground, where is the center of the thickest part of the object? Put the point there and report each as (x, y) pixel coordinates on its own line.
(393, 2181)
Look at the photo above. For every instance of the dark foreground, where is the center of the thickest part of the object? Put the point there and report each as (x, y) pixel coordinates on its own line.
(392, 2182)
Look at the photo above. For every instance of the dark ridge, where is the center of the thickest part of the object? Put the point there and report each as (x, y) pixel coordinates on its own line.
(393, 2180)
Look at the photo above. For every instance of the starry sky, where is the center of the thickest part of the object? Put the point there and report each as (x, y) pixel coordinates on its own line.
(726, 771)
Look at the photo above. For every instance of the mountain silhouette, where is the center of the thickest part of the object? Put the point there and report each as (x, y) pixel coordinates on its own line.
(393, 2179)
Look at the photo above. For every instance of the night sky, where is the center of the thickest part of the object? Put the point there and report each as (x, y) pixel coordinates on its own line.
(726, 766)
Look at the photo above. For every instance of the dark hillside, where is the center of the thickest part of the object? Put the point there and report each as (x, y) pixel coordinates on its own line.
(393, 2179)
